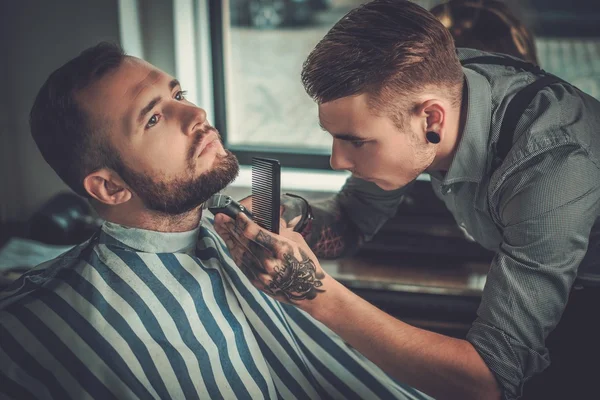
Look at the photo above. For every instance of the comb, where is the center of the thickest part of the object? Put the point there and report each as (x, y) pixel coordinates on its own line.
(266, 188)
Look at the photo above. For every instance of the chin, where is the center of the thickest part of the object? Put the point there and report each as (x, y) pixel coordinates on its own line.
(388, 186)
(385, 186)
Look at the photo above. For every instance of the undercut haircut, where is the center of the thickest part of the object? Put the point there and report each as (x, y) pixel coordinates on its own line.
(70, 142)
(387, 49)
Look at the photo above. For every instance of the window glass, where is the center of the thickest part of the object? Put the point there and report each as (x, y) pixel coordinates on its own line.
(266, 42)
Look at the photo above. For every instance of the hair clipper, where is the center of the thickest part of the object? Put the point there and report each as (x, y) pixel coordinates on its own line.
(220, 203)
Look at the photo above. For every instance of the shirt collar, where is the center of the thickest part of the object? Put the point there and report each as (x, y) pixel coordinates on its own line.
(148, 241)
(470, 160)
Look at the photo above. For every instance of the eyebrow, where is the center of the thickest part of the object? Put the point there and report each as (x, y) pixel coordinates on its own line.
(342, 136)
(172, 85)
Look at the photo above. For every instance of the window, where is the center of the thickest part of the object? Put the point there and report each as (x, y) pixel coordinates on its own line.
(258, 50)
(260, 105)
(258, 47)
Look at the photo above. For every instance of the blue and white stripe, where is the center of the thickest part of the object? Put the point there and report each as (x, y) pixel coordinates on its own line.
(106, 321)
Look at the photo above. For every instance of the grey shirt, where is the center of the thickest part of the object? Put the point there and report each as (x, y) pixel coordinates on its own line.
(536, 211)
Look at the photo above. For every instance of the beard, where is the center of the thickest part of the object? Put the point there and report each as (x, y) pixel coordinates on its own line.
(180, 196)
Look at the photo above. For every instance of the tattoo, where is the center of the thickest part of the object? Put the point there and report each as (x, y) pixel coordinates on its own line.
(333, 234)
(251, 260)
(239, 226)
(250, 266)
(269, 242)
(266, 240)
(297, 279)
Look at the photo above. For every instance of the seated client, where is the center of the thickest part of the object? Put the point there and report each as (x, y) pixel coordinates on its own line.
(152, 305)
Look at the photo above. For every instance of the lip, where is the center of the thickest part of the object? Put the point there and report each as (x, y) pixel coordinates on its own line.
(210, 139)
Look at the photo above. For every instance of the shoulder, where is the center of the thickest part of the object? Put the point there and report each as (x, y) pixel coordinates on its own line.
(560, 175)
(44, 277)
(560, 123)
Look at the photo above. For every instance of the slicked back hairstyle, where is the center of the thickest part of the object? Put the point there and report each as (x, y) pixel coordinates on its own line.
(70, 142)
(387, 49)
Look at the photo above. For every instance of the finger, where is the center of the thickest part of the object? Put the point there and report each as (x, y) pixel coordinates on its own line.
(219, 227)
(298, 240)
(232, 233)
(254, 253)
(247, 264)
(241, 256)
(221, 219)
(272, 244)
(254, 257)
(263, 283)
(251, 230)
(247, 202)
(248, 228)
(282, 224)
(232, 246)
(221, 231)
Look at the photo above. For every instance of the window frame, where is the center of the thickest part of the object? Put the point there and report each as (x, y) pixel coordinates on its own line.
(288, 157)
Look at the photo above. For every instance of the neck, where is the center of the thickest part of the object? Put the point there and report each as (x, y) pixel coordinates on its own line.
(455, 125)
(142, 218)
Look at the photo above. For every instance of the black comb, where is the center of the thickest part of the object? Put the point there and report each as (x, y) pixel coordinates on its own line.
(266, 188)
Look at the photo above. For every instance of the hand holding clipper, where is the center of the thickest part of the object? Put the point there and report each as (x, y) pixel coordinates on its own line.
(220, 203)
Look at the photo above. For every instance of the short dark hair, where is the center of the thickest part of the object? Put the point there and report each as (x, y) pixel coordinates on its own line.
(70, 142)
(386, 49)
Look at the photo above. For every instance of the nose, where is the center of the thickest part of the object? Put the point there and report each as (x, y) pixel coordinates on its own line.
(339, 160)
(193, 119)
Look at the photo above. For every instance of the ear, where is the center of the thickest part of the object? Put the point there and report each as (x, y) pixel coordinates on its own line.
(107, 187)
(434, 114)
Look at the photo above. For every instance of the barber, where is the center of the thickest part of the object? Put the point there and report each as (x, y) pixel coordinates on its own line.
(512, 151)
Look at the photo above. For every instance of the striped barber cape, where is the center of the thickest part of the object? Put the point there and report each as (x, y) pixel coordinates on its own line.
(138, 314)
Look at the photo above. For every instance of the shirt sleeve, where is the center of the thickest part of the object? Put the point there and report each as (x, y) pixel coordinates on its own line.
(546, 210)
(369, 206)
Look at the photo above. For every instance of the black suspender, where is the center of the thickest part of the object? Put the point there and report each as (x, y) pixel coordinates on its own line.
(518, 104)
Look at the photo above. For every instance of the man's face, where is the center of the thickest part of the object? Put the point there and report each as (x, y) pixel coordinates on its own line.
(172, 158)
(371, 146)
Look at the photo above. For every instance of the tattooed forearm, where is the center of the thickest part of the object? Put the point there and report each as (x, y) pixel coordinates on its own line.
(296, 279)
(333, 234)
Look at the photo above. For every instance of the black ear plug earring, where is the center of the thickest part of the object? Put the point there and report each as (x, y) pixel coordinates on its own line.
(433, 137)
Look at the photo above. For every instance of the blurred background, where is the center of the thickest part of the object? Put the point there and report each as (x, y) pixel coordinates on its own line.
(240, 59)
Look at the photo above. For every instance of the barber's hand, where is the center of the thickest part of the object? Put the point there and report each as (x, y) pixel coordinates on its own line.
(290, 211)
(283, 266)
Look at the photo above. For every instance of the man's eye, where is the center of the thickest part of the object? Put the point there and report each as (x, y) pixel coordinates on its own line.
(358, 143)
(180, 96)
(153, 121)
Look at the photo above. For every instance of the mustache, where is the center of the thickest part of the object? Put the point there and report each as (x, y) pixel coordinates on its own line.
(199, 135)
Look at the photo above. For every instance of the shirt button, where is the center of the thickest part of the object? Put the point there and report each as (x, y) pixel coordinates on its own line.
(447, 190)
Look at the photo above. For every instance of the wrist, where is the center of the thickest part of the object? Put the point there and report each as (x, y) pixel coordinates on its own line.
(327, 302)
